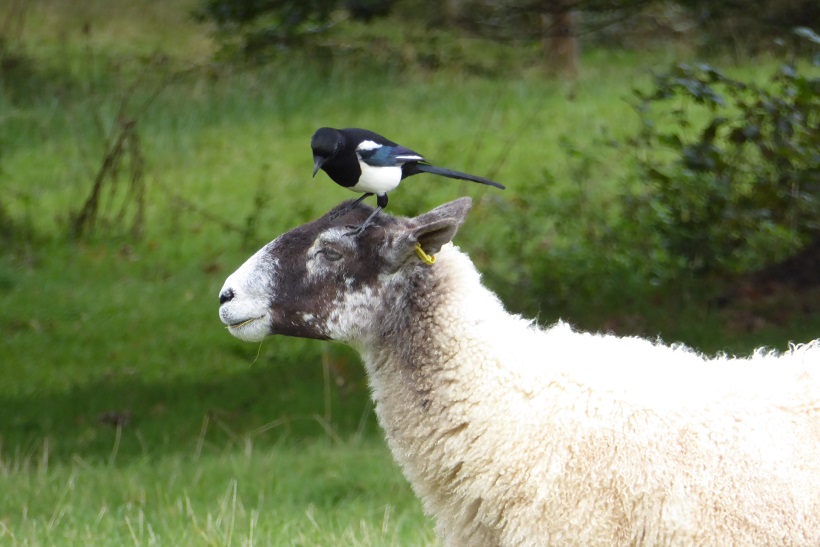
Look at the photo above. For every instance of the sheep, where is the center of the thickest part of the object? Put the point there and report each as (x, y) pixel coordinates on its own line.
(512, 434)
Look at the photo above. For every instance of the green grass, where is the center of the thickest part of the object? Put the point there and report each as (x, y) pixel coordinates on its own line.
(240, 496)
(233, 443)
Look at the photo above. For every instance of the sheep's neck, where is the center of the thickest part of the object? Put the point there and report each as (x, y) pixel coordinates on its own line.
(419, 372)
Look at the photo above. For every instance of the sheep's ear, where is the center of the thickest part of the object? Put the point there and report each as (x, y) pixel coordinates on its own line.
(440, 225)
(431, 230)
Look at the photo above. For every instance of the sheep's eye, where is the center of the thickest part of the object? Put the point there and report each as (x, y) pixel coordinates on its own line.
(331, 255)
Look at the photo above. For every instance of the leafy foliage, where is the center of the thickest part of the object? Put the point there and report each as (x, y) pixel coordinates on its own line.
(750, 24)
(516, 20)
(733, 167)
(261, 24)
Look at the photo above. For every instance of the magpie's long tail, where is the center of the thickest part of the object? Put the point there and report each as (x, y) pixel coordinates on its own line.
(425, 168)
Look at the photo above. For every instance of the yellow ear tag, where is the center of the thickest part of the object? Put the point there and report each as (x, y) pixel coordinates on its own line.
(427, 259)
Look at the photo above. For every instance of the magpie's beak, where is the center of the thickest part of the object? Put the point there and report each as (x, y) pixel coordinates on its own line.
(317, 163)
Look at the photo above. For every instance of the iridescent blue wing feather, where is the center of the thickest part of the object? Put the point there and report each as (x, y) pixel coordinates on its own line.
(388, 156)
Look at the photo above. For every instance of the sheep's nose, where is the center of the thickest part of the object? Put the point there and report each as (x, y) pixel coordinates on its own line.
(226, 296)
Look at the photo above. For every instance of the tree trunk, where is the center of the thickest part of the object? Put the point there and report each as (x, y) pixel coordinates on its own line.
(454, 11)
(560, 37)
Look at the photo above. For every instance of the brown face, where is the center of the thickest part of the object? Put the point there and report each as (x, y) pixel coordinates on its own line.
(290, 285)
(316, 281)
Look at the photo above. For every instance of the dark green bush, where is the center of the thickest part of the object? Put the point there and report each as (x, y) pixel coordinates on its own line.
(750, 25)
(256, 26)
(732, 169)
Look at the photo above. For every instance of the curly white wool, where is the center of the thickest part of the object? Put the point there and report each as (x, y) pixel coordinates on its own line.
(539, 437)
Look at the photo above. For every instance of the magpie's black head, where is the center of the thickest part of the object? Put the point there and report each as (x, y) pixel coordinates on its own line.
(326, 143)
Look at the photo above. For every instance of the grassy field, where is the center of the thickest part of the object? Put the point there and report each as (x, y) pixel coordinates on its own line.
(308, 493)
(128, 414)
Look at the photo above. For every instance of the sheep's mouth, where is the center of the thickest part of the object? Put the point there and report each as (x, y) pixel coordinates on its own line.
(245, 322)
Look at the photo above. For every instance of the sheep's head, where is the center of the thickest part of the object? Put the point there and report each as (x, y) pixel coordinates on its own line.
(316, 281)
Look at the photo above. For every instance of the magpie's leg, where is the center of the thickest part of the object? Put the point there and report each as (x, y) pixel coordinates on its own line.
(350, 206)
(381, 201)
(361, 228)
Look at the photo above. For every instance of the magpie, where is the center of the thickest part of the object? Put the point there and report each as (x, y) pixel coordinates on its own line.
(364, 161)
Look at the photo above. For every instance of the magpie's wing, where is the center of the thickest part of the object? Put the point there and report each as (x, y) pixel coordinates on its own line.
(388, 156)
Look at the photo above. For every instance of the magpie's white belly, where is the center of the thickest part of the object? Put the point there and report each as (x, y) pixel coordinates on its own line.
(377, 180)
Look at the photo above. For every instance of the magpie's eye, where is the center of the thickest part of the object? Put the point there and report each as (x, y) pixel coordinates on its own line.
(330, 254)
